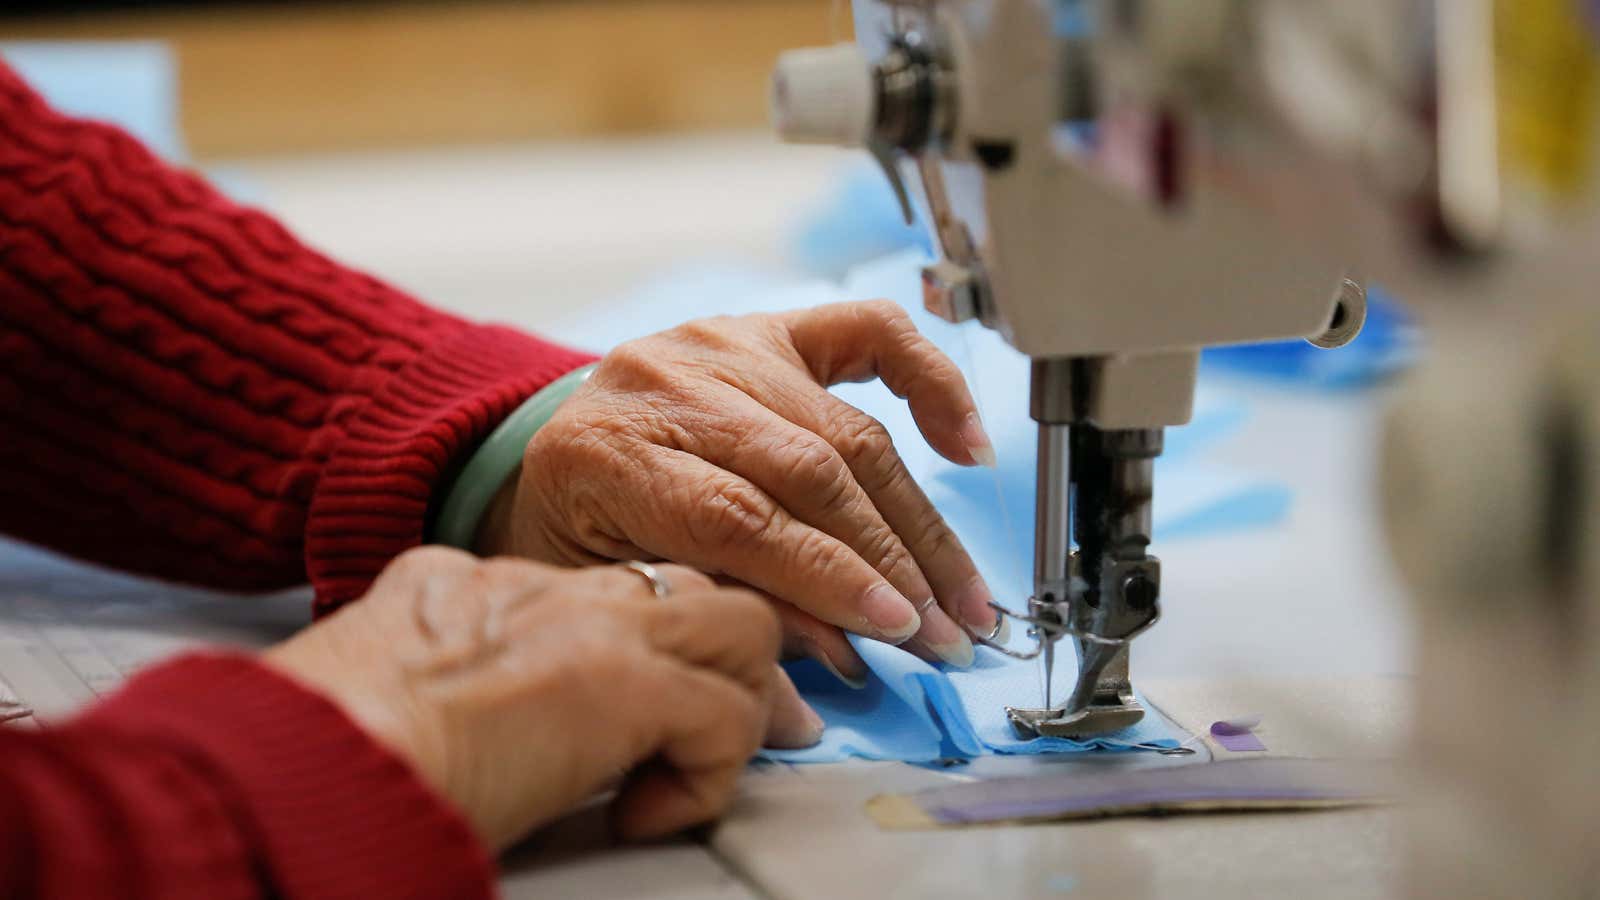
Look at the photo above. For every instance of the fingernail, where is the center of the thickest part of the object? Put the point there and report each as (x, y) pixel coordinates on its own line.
(978, 443)
(973, 602)
(815, 723)
(815, 652)
(946, 639)
(890, 616)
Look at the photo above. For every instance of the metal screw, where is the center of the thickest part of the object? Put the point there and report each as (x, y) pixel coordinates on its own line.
(1140, 591)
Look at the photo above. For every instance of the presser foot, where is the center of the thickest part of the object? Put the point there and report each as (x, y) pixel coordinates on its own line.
(1094, 719)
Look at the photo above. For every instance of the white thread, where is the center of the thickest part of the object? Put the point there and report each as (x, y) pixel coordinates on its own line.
(999, 485)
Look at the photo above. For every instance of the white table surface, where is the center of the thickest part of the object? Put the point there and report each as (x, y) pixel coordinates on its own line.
(1304, 622)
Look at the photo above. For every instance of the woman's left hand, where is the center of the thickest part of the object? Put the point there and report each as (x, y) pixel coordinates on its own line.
(718, 446)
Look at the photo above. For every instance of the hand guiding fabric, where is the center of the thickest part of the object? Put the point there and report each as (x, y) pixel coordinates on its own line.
(718, 446)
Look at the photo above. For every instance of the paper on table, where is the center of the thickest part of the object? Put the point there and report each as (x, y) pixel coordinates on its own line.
(1256, 785)
(11, 706)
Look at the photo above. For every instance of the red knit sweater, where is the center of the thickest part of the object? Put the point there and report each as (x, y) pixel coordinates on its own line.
(188, 392)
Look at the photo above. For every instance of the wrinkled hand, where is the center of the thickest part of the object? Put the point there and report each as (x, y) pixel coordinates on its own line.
(518, 690)
(717, 445)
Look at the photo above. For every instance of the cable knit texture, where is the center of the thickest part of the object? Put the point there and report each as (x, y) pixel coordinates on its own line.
(189, 392)
(214, 777)
(186, 391)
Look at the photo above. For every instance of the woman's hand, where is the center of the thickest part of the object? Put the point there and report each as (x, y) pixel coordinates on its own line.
(519, 690)
(717, 445)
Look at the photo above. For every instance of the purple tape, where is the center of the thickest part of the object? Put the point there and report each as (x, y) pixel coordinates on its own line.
(1236, 739)
(1251, 783)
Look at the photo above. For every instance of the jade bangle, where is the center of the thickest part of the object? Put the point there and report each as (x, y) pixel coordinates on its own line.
(489, 468)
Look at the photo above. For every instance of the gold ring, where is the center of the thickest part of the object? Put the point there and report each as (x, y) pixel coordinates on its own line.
(658, 585)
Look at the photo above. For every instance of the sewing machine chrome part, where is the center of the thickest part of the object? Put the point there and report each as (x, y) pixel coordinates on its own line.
(1349, 314)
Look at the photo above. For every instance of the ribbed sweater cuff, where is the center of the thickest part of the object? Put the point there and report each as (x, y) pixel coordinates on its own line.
(372, 501)
(336, 815)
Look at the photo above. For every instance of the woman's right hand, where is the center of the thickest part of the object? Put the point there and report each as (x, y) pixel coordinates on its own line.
(519, 690)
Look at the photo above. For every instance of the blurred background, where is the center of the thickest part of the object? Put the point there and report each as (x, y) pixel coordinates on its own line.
(508, 158)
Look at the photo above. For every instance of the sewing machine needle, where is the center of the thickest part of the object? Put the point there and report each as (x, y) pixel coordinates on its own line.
(1049, 657)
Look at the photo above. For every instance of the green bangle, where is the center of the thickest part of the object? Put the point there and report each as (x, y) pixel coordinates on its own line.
(489, 468)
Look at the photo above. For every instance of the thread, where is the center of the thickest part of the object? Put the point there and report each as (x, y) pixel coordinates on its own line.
(969, 364)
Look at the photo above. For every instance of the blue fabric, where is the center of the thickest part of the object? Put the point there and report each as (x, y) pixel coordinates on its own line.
(915, 712)
(911, 710)
(918, 712)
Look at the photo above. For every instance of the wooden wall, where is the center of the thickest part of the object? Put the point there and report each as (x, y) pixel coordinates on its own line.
(327, 77)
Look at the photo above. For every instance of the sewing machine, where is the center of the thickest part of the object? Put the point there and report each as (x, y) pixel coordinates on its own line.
(1085, 203)
(1116, 184)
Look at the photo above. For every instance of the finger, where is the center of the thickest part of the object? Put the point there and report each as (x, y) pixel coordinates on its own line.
(806, 635)
(716, 521)
(860, 341)
(709, 727)
(623, 581)
(869, 453)
(794, 723)
(618, 581)
(811, 481)
(734, 632)
(509, 586)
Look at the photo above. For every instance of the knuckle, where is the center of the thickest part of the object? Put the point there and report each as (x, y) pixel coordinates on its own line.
(934, 533)
(752, 713)
(821, 554)
(731, 513)
(888, 553)
(750, 615)
(430, 559)
(684, 578)
(864, 440)
(595, 650)
(633, 365)
(886, 313)
(812, 461)
(572, 440)
(714, 333)
(514, 571)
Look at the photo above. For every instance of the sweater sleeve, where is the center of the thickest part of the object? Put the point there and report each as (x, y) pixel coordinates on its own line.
(187, 391)
(214, 777)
